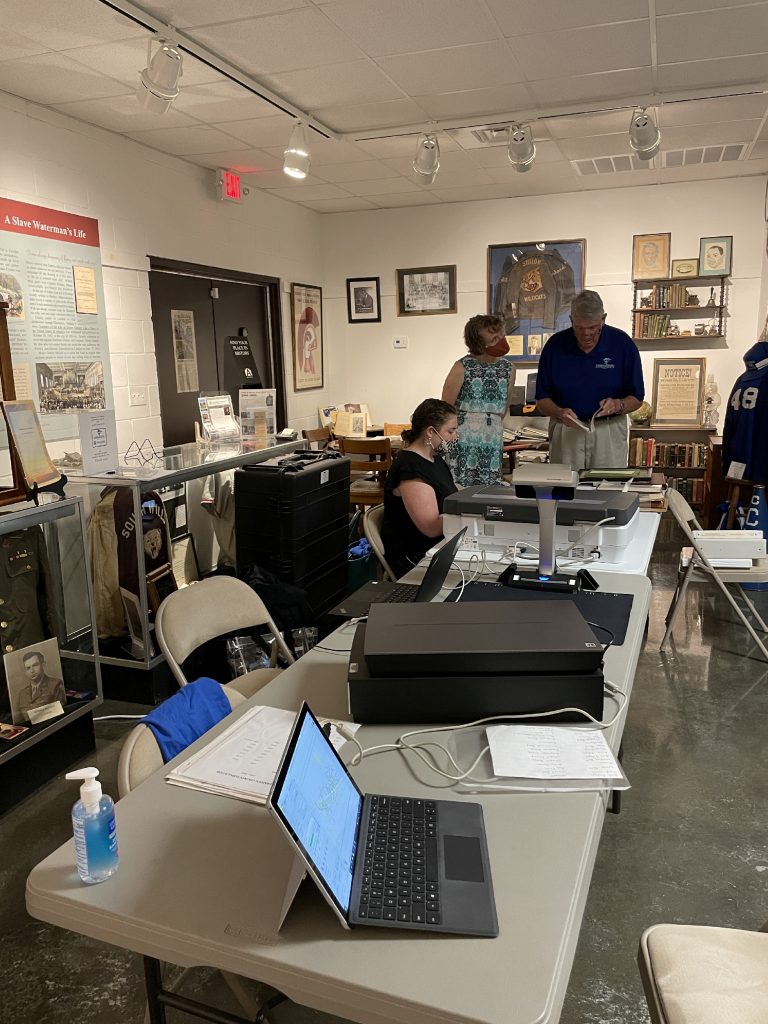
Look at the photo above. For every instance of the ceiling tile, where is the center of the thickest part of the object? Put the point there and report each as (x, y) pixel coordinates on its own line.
(263, 132)
(369, 116)
(548, 178)
(583, 51)
(401, 145)
(759, 151)
(516, 17)
(477, 103)
(453, 69)
(455, 179)
(683, 6)
(186, 13)
(708, 34)
(496, 156)
(306, 193)
(703, 74)
(125, 59)
(402, 26)
(595, 145)
(610, 85)
(310, 89)
(470, 193)
(730, 108)
(588, 124)
(717, 134)
(60, 24)
(280, 42)
(361, 170)
(420, 198)
(381, 187)
(13, 45)
(198, 138)
(251, 162)
(122, 114)
(455, 162)
(219, 102)
(347, 205)
(275, 178)
(326, 151)
(53, 78)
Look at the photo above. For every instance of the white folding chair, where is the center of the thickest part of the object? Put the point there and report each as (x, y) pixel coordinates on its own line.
(372, 521)
(700, 568)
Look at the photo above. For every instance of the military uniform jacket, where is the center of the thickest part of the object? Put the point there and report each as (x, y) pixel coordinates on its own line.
(25, 590)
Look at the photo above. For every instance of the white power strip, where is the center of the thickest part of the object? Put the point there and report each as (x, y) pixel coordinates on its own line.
(731, 543)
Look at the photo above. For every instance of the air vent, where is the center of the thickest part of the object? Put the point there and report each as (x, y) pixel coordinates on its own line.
(490, 136)
(702, 155)
(610, 164)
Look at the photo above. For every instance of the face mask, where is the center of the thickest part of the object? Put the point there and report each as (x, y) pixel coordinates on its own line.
(498, 348)
(446, 445)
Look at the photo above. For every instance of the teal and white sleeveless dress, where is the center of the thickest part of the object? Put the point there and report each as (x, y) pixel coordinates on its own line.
(480, 407)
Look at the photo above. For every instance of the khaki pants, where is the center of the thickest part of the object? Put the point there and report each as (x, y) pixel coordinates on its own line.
(606, 446)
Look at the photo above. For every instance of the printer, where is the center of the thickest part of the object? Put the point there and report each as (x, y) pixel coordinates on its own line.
(496, 519)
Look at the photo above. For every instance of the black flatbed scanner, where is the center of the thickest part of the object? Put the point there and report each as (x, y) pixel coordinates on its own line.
(499, 504)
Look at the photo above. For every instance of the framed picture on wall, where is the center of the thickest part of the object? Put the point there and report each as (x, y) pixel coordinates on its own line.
(307, 321)
(715, 256)
(363, 300)
(650, 256)
(685, 268)
(678, 392)
(530, 286)
(422, 291)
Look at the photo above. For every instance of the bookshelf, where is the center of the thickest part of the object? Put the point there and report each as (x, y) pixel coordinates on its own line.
(658, 305)
(681, 453)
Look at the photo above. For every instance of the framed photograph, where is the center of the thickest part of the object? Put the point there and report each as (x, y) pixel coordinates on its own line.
(685, 268)
(530, 286)
(422, 291)
(184, 565)
(160, 583)
(363, 300)
(307, 321)
(650, 256)
(678, 392)
(35, 680)
(715, 256)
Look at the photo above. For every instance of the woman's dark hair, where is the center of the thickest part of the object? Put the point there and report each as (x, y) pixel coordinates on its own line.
(472, 329)
(433, 412)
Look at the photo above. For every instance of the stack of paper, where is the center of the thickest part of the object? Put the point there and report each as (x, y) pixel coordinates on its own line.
(555, 752)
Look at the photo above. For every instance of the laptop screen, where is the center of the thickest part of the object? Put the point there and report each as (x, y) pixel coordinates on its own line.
(320, 806)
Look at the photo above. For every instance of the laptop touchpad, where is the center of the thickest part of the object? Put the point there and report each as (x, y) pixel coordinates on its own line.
(463, 859)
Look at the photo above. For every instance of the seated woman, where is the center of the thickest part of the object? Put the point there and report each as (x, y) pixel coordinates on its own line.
(417, 485)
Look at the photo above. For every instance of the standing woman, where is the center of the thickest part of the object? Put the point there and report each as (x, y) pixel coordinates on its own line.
(417, 485)
(478, 385)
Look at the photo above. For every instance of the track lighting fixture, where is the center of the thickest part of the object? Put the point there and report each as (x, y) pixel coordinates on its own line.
(521, 149)
(644, 135)
(296, 158)
(426, 161)
(159, 81)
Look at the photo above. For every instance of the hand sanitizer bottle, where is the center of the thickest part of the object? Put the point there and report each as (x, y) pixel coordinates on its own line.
(93, 821)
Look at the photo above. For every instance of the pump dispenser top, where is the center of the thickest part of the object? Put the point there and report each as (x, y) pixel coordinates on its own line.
(90, 791)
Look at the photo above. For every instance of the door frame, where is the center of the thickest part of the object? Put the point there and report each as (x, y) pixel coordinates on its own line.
(274, 312)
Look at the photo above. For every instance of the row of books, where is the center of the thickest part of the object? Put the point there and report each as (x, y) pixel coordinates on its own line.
(647, 451)
(691, 488)
(669, 296)
(651, 325)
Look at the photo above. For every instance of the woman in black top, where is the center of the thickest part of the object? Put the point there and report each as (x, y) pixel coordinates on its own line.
(417, 485)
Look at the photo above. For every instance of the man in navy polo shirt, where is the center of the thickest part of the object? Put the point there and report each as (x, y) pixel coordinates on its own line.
(589, 378)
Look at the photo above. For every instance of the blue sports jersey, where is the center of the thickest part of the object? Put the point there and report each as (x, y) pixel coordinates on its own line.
(580, 381)
(745, 434)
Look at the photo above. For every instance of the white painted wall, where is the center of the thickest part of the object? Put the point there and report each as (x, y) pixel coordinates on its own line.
(150, 203)
(375, 243)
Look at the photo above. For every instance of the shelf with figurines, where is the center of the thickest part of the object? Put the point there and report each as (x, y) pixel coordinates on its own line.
(658, 304)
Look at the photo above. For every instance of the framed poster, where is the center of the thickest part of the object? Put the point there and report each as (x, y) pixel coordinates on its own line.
(422, 291)
(715, 256)
(650, 256)
(530, 286)
(685, 268)
(363, 300)
(307, 321)
(678, 392)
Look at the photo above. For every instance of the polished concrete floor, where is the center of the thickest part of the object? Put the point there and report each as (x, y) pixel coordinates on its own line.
(689, 844)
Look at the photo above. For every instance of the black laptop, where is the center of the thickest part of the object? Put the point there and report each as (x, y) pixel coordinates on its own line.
(386, 861)
(361, 600)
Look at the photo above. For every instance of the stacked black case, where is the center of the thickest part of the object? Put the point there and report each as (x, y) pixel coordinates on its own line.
(294, 522)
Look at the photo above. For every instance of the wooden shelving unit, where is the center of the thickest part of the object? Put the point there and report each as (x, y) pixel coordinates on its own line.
(669, 297)
(663, 459)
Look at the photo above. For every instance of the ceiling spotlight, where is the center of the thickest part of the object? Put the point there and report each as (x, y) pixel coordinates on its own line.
(521, 149)
(426, 161)
(644, 135)
(159, 81)
(296, 157)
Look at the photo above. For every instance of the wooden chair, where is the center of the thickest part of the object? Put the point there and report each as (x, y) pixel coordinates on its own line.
(318, 439)
(370, 460)
(395, 429)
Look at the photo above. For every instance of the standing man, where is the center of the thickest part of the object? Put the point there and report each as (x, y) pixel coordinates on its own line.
(589, 378)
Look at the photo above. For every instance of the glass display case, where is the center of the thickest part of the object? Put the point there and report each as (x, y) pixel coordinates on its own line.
(51, 679)
(180, 498)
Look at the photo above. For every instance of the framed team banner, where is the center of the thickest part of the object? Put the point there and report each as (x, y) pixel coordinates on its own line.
(650, 256)
(678, 392)
(307, 321)
(530, 286)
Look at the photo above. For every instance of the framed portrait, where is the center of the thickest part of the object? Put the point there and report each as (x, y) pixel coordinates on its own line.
(650, 256)
(685, 268)
(678, 392)
(35, 681)
(363, 300)
(530, 286)
(715, 256)
(184, 565)
(160, 583)
(307, 322)
(422, 291)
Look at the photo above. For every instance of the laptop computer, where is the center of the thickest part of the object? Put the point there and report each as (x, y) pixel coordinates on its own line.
(385, 861)
(374, 592)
